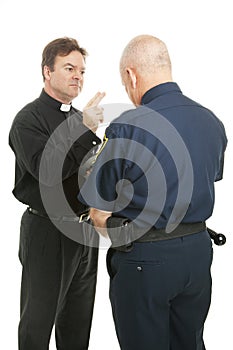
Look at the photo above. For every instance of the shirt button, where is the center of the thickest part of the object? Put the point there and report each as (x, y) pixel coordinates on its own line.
(139, 268)
(94, 143)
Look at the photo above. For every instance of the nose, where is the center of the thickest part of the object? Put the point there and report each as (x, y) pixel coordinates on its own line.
(78, 75)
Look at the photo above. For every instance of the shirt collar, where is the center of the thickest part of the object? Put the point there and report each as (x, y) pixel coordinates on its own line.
(54, 103)
(159, 90)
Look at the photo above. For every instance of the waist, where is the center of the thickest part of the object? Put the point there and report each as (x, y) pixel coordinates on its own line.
(181, 230)
(72, 218)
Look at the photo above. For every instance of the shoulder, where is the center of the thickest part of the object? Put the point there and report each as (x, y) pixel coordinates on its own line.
(129, 120)
(27, 117)
(76, 110)
(29, 109)
(207, 115)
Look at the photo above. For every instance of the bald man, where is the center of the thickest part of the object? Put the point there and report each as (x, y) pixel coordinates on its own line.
(155, 179)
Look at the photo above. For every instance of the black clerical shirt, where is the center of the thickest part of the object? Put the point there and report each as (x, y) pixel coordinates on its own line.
(30, 131)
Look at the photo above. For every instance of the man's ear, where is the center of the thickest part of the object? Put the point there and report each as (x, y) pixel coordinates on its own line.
(47, 73)
(132, 76)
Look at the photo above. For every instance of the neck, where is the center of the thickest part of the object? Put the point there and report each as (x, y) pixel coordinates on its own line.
(56, 96)
(149, 84)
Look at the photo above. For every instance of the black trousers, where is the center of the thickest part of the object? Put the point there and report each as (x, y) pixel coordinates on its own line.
(58, 287)
(160, 293)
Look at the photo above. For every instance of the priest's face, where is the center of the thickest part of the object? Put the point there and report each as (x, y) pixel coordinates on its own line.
(65, 81)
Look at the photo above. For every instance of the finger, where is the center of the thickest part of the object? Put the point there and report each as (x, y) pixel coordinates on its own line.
(95, 100)
(89, 104)
(99, 98)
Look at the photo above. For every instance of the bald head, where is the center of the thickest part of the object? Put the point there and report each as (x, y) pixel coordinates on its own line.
(147, 54)
(148, 58)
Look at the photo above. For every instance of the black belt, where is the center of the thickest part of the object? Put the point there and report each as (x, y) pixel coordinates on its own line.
(126, 232)
(180, 231)
(81, 218)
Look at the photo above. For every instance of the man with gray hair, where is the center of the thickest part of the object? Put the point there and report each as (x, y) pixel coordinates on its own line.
(154, 178)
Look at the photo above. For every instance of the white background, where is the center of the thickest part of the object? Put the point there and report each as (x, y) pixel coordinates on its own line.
(199, 37)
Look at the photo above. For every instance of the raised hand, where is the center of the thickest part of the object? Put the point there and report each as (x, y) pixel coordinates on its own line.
(93, 113)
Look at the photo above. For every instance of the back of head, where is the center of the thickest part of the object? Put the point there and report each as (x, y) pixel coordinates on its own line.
(148, 55)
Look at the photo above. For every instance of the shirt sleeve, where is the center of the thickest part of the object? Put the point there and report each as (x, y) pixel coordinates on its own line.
(103, 186)
(219, 175)
(62, 156)
(223, 142)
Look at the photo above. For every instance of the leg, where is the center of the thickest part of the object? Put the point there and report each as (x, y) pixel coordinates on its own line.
(139, 298)
(73, 322)
(40, 257)
(148, 287)
(189, 309)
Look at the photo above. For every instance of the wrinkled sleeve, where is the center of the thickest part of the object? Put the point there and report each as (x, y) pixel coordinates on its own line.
(49, 157)
(103, 184)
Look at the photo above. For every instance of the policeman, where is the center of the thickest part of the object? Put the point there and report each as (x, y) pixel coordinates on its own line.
(156, 172)
(59, 274)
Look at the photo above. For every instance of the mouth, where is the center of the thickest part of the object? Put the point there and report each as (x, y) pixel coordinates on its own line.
(76, 88)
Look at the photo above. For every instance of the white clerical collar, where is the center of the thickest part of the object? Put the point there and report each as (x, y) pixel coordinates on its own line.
(65, 108)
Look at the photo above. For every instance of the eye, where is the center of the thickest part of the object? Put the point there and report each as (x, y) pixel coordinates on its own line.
(69, 69)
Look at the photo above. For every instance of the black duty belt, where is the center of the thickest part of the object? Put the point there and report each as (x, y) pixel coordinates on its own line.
(81, 218)
(125, 233)
(180, 231)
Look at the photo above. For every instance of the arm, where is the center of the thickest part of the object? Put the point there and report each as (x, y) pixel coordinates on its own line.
(66, 148)
(50, 158)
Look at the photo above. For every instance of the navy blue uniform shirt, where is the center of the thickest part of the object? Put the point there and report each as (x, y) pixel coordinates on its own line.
(159, 162)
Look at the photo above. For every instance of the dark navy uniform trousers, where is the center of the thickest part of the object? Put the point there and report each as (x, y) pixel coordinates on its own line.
(58, 287)
(160, 293)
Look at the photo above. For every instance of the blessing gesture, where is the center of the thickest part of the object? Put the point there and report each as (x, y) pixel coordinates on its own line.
(93, 113)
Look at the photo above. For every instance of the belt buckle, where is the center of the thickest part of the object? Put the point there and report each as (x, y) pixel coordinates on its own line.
(84, 217)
